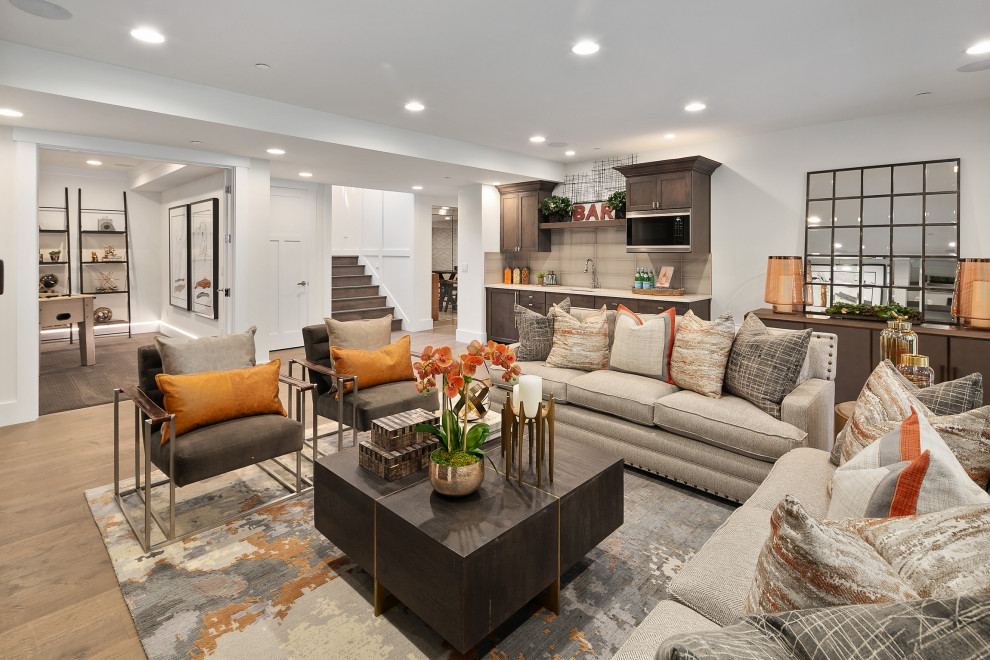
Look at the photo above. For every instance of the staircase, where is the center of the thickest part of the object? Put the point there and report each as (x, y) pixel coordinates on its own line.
(353, 295)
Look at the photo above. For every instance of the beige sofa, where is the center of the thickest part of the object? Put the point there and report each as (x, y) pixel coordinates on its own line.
(725, 446)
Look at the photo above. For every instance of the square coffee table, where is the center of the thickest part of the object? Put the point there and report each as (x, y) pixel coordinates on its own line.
(465, 565)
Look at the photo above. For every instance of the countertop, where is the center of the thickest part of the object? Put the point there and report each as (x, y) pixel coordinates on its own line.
(588, 291)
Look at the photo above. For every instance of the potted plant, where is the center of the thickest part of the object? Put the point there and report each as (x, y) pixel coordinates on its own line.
(617, 202)
(457, 466)
(539, 278)
(54, 255)
(557, 209)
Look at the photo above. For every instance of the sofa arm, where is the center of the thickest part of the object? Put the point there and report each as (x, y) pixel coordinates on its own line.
(810, 408)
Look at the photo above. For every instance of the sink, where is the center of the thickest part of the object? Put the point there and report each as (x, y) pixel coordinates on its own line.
(578, 288)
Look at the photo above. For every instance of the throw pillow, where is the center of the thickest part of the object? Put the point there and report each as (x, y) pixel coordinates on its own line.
(577, 344)
(182, 355)
(763, 368)
(951, 397)
(941, 554)
(700, 353)
(207, 398)
(806, 563)
(388, 364)
(908, 471)
(643, 347)
(536, 331)
(365, 334)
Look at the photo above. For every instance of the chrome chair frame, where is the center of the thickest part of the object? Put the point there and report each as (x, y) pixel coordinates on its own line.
(340, 379)
(146, 415)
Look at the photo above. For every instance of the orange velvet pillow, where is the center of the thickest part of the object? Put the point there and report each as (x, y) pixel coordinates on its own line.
(386, 365)
(214, 396)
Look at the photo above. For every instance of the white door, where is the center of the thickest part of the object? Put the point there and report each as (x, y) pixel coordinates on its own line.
(292, 235)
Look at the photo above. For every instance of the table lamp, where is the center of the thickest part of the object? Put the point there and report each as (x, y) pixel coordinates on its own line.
(785, 284)
(971, 299)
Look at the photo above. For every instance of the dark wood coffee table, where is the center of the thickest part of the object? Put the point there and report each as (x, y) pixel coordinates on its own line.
(466, 565)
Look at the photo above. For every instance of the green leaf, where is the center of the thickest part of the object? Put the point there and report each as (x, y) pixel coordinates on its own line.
(476, 436)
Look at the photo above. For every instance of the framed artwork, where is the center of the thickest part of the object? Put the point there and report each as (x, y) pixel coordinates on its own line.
(178, 256)
(204, 231)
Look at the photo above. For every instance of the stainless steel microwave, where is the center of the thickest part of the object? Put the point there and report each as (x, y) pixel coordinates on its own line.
(649, 231)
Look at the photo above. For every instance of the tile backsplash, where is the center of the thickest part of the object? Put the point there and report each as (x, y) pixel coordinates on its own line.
(616, 267)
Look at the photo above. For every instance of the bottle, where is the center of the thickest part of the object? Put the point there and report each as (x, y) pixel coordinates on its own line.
(516, 275)
(647, 279)
(897, 339)
(638, 280)
(507, 276)
(915, 368)
(653, 279)
(524, 276)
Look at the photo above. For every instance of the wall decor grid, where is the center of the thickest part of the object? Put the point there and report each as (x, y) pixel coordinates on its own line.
(906, 233)
(99, 231)
(598, 183)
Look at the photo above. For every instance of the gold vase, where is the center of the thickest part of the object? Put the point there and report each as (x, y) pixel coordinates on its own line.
(457, 480)
(897, 339)
(916, 369)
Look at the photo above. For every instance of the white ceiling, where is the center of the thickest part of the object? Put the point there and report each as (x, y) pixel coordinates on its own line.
(493, 74)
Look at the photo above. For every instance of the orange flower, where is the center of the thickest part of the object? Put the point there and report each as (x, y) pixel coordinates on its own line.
(444, 357)
(470, 364)
(453, 386)
(475, 347)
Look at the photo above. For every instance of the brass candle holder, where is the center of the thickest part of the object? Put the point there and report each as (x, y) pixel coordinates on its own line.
(514, 423)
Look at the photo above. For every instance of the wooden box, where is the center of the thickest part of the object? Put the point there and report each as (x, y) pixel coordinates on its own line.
(392, 465)
(399, 430)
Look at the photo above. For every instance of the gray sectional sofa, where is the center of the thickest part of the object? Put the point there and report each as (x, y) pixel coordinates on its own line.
(725, 446)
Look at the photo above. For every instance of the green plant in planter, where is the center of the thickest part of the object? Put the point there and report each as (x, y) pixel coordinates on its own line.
(617, 202)
(555, 205)
(877, 312)
(541, 275)
(55, 252)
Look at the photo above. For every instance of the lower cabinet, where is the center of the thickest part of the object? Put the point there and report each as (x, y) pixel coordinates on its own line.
(501, 316)
(577, 300)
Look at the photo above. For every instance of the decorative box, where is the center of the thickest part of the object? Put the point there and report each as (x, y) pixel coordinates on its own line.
(392, 465)
(399, 430)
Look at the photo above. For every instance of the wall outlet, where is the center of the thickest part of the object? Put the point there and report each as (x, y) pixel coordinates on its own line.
(464, 267)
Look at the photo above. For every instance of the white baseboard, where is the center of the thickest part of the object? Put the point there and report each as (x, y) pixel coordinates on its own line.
(467, 336)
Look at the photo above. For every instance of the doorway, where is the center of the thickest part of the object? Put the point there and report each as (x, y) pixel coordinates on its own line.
(293, 218)
(444, 266)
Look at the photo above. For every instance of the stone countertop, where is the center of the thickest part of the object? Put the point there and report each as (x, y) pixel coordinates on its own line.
(611, 293)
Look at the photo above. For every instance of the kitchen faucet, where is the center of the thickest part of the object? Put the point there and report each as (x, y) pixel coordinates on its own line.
(594, 273)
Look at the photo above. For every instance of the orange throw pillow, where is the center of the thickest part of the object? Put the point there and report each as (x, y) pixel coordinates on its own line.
(215, 396)
(386, 365)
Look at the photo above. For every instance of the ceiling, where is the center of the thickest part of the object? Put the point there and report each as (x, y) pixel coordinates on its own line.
(495, 74)
(144, 175)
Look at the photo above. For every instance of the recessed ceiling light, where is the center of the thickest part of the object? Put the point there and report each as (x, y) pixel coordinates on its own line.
(417, 187)
(537, 138)
(262, 66)
(979, 49)
(669, 136)
(43, 9)
(8, 112)
(414, 106)
(306, 174)
(148, 35)
(694, 106)
(585, 48)
(277, 152)
(569, 153)
(94, 162)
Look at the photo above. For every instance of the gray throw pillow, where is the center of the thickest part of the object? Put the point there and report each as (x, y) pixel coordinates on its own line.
(763, 368)
(182, 355)
(365, 334)
(536, 332)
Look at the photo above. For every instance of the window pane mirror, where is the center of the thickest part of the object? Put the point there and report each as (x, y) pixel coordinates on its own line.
(883, 234)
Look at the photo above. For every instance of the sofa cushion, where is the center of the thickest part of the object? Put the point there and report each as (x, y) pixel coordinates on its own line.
(555, 379)
(628, 396)
(642, 346)
(666, 619)
(804, 473)
(951, 397)
(185, 355)
(701, 351)
(378, 401)
(717, 579)
(583, 313)
(536, 331)
(730, 423)
(579, 344)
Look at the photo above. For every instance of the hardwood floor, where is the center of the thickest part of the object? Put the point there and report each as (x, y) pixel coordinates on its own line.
(58, 593)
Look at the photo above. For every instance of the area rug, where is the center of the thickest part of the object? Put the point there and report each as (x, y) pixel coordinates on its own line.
(270, 585)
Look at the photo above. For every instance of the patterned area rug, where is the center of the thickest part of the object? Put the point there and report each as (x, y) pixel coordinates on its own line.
(270, 585)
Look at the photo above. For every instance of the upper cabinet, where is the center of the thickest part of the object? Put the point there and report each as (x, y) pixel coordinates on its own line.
(670, 190)
(521, 216)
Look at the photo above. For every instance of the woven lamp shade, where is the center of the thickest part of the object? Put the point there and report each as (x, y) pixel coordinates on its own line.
(971, 301)
(785, 284)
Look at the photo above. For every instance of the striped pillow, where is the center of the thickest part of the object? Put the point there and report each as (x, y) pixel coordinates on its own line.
(577, 344)
(908, 471)
(643, 347)
(701, 351)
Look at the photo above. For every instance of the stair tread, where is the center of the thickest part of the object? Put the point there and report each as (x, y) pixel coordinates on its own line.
(365, 309)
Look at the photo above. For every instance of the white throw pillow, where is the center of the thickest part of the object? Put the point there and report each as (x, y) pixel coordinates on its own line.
(643, 345)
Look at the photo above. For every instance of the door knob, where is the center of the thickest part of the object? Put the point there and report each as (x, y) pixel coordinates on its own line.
(303, 283)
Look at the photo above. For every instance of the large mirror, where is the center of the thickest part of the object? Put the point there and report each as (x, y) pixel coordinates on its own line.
(884, 234)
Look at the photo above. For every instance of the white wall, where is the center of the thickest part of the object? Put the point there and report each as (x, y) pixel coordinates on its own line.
(758, 193)
(478, 215)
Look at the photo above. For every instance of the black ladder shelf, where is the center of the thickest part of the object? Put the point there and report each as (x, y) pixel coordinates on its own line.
(114, 235)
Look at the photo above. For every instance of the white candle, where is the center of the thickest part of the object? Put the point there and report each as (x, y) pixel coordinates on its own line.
(515, 396)
(530, 393)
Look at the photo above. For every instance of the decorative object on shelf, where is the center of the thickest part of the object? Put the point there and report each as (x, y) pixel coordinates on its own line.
(516, 275)
(875, 312)
(95, 258)
(54, 255)
(524, 275)
(551, 279)
(110, 254)
(204, 228)
(507, 276)
(108, 283)
(971, 300)
(617, 202)
(396, 448)
(105, 224)
(528, 396)
(915, 368)
(785, 284)
(48, 282)
(477, 402)
(102, 314)
(456, 466)
(539, 278)
(898, 339)
(556, 208)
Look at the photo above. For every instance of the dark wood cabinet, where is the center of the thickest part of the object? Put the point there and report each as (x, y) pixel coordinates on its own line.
(520, 216)
(701, 308)
(674, 190)
(971, 354)
(577, 300)
(501, 316)
(641, 193)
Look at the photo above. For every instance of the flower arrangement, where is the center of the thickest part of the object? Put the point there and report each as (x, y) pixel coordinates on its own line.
(876, 312)
(459, 446)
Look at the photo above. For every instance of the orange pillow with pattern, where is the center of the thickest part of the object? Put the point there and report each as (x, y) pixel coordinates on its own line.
(386, 365)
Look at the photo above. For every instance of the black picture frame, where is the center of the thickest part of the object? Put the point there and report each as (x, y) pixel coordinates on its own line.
(178, 256)
(203, 257)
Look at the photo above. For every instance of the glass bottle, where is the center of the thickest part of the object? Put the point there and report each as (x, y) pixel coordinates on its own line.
(507, 276)
(524, 276)
(516, 275)
(915, 368)
(638, 280)
(897, 339)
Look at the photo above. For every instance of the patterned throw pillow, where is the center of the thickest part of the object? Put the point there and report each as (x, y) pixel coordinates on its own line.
(806, 563)
(764, 368)
(643, 347)
(701, 350)
(577, 344)
(536, 332)
(908, 471)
